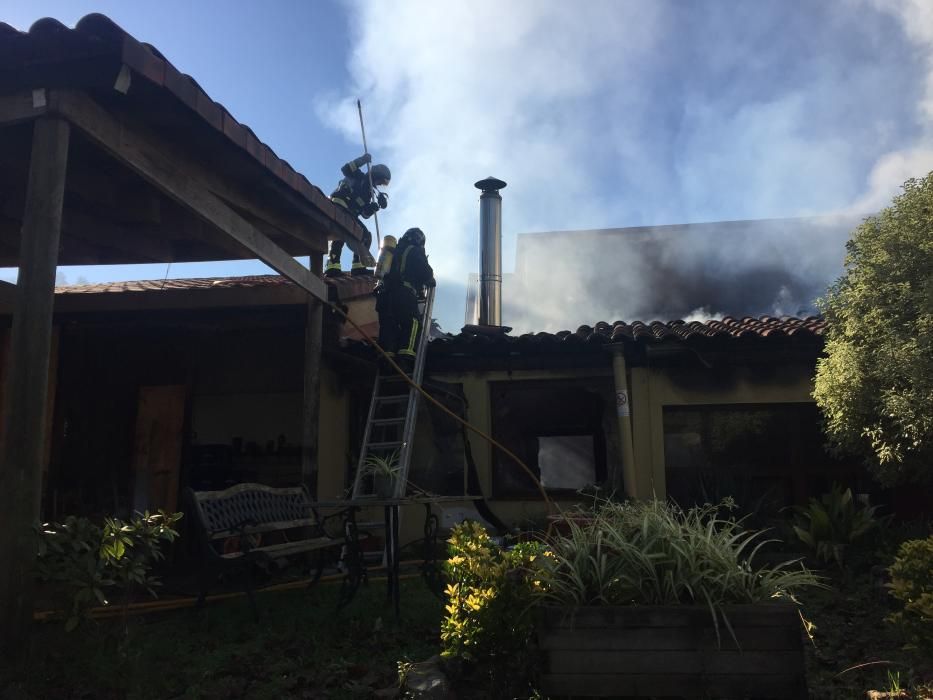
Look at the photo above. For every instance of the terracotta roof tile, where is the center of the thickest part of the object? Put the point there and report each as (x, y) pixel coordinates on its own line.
(603, 333)
(347, 286)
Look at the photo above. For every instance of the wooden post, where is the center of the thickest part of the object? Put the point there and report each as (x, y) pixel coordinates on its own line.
(27, 394)
(311, 407)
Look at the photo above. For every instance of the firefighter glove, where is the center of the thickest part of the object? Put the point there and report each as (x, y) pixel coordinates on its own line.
(383, 200)
(370, 209)
(363, 160)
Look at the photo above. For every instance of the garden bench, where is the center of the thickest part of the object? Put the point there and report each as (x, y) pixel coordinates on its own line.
(252, 524)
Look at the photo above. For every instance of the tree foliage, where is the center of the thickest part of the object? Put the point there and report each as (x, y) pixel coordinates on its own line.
(875, 384)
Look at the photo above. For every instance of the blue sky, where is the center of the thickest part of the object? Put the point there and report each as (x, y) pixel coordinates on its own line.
(623, 114)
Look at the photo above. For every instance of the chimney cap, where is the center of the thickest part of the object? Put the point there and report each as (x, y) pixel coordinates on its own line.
(490, 184)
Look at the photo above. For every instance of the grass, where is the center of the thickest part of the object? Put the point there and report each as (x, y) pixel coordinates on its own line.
(301, 648)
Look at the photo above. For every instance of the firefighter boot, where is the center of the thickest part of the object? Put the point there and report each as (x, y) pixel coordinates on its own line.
(332, 269)
(359, 268)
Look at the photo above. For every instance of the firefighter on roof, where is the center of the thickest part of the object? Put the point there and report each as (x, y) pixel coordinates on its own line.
(356, 196)
(397, 299)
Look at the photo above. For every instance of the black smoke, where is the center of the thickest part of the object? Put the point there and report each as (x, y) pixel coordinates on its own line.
(775, 267)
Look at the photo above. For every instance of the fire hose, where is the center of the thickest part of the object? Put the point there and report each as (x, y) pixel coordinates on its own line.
(469, 426)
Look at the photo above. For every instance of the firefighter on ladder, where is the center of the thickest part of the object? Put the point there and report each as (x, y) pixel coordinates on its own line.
(354, 194)
(397, 298)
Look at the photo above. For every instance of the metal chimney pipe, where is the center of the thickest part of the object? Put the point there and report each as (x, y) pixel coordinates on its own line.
(490, 252)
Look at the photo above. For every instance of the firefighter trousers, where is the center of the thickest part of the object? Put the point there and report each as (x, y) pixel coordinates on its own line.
(399, 320)
(336, 248)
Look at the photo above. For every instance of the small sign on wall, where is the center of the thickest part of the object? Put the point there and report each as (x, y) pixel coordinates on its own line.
(623, 407)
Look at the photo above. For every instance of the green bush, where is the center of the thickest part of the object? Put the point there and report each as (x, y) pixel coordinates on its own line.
(830, 525)
(86, 560)
(655, 553)
(912, 584)
(488, 625)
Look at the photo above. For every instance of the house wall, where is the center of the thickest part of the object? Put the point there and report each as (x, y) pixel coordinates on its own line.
(244, 377)
(246, 397)
(334, 436)
(652, 389)
(518, 512)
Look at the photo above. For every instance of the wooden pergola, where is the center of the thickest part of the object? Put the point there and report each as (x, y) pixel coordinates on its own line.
(109, 155)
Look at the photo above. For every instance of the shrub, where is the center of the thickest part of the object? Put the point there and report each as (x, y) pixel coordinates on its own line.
(87, 559)
(912, 584)
(489, 594)
(830, 525)
(655, 553)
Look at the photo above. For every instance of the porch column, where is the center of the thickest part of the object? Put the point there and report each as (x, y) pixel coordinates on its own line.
(27, 388)
(624, 414)
(311, 407)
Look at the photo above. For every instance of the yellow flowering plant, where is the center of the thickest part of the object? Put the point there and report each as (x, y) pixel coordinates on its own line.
(489, 594)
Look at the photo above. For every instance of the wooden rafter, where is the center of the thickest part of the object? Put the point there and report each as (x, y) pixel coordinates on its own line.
(178, 176)
(22, 106)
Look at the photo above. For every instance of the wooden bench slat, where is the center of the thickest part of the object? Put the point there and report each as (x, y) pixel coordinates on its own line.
(284, 549)
(265, 527)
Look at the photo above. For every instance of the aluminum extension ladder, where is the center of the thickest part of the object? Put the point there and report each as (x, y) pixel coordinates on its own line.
(393, 415)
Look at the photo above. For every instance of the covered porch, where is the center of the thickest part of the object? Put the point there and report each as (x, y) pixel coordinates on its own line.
(110, 155)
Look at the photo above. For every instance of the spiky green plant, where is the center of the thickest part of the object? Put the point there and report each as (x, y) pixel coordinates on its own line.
(655, 553)
(382, 465)
(831, 524)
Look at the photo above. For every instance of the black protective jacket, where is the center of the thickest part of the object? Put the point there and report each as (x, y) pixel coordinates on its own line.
(410, 268)
(354, 191)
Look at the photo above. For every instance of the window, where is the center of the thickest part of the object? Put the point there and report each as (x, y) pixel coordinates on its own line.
(558, 428)
(566, 461)
(764, 456)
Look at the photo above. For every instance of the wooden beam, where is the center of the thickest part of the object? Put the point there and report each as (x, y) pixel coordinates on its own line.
(27, 392)
(175, 217)
(178, 176)
(256, 211)
(311, 407)
(128, 240)
(22, 106)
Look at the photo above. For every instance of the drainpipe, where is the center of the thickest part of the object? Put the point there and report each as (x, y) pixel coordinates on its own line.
(624, 413)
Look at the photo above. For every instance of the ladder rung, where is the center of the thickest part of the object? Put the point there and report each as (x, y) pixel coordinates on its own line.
(383, 445)
(393, 378)
(392, 389)
(395, 398)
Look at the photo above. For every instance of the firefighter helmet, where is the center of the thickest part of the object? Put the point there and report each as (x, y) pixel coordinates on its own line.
(415, 236)
(381, 174)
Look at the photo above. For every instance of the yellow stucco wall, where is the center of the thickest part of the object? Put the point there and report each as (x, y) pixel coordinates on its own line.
(333, 436)
(476, 389)
(657, 388)
(650, 390)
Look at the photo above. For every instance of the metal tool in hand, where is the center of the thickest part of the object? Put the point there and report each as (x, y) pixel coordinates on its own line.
(369, 172)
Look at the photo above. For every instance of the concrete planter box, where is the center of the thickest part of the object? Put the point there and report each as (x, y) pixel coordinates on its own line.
(672, 651)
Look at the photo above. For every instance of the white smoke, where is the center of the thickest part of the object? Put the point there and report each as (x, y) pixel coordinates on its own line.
(892, 169)
(456, 91)
(561, 103)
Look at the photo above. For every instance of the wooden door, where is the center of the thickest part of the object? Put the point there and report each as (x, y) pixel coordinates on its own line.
(157, 447)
